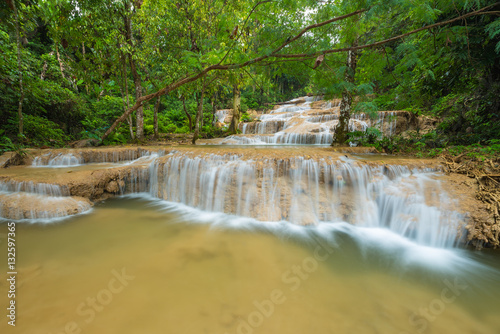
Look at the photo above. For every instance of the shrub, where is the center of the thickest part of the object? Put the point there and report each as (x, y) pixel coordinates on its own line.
(183, 129)
(104, 113)
(364, 138)
(148, 129)
(246, 118)
(171, 128)
(40, 131)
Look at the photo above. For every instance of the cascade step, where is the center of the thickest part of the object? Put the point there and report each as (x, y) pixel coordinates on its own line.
(312, 120)
(21, 205)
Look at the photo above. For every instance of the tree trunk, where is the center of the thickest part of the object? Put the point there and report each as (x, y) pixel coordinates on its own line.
(129, 118)
(342, 128)
(125, 96)
(139, 126)
(187, 113)
(233, 127)
(19, 67)
(85, 72)
(214, 108)
(199, 115)
(61, 66)
(155, 117)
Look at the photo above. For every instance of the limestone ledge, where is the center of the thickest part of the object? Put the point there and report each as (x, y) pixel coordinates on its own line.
(98, 181)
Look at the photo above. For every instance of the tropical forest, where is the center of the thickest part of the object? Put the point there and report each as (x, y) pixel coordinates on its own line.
(250, 166)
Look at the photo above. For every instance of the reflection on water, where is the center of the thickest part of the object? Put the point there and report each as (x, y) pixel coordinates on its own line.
(147, 266)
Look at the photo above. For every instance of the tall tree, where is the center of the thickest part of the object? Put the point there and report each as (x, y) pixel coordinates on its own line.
(127, 19)
(233, 127)
(342, 128)
(19, 67)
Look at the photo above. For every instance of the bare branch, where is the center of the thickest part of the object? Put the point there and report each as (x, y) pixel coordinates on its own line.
(242, 28)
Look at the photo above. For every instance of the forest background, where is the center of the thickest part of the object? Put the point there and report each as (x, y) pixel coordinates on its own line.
(121, 71)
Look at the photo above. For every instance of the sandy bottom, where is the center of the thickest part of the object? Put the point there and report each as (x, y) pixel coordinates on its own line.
(129, 267)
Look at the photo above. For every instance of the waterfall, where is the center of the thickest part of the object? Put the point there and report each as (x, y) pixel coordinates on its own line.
(61, 160)
(44, 189)
(38, 201)
(221, 115)
(303, 123)
(306, 191)
(58, 160)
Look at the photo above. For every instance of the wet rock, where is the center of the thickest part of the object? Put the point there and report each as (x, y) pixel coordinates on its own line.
(267, 184)
(31, 206)
(11, 159)
(112, 187)
(389, 172)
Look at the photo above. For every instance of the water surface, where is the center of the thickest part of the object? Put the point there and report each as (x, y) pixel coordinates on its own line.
(188, 271)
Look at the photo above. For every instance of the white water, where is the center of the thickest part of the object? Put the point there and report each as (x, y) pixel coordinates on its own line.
(297, 190)
(38, 202)
(291, 123)
(194, 271)
(286, 138)
(45, 202)
(305, 191)
(61, 160)
(221, 115)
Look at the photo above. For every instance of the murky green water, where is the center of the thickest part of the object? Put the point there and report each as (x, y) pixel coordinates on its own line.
(134, 266)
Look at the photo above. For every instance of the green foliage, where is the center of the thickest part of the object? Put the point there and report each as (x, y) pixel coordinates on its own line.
(148, 129)
(451, 71)
(102, 115)
(171, 128)
(183, 129)
(246, 118)
(40, 131)
(116, 139)
(368, 137)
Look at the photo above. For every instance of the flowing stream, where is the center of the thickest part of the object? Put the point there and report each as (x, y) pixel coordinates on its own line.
(184, 270)
(243, 239)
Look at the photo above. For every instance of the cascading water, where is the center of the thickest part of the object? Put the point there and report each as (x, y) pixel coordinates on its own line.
(305, 191)
(44, 189)
(44, 201)
(376, 245)
(38, 201)
(221, 115)
(61, 160)
(310, 122)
